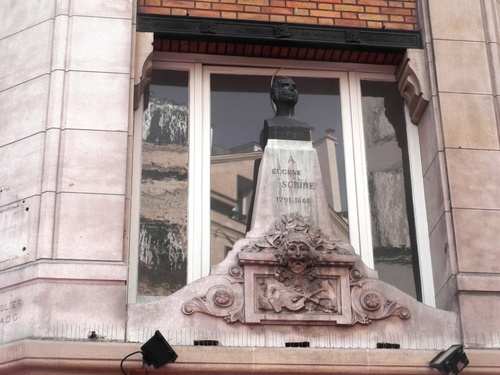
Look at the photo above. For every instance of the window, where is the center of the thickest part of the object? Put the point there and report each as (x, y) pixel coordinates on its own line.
(239, 103)
(163, 223)
(200, 143)
(389, 186)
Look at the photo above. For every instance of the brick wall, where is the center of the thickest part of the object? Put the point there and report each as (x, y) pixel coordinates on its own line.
(376, 14)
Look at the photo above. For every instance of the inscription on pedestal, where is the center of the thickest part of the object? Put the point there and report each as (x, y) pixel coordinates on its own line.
(290, 181)
(9, 311)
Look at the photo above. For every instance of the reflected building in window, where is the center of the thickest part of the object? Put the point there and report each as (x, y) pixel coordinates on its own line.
(230, 195)
(389, 186)
(326, 148)
(164, 187)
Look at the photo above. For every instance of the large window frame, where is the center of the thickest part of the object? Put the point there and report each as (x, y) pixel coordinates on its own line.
(200, 67)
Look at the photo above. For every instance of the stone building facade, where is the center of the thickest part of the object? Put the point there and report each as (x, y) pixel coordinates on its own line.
(74, 85)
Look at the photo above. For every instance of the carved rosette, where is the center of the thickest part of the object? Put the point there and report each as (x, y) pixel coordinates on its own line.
(369, 303)
(352, 36)
(223, 300)
(282, 31)
(208, 27)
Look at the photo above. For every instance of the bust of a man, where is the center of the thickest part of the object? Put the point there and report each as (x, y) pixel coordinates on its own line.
(284, 125)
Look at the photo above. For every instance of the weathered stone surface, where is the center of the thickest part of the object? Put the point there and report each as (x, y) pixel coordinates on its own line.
(72, 313)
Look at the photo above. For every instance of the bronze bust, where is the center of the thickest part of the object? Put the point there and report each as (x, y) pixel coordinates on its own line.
(285, 125)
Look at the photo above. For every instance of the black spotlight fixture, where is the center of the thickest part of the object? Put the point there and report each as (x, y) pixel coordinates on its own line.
(451, 361)
(156, 351)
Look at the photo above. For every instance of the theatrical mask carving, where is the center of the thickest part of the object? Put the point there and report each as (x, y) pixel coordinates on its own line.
(296, 285)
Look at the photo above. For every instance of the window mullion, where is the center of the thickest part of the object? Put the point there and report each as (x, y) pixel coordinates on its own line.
(360, 175)
(196, 175)
(135, 208)
(350, 176)
(420, 212)
(206, 146)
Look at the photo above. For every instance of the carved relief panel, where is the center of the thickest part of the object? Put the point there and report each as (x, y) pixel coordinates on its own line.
(319, 295)
(294, 275)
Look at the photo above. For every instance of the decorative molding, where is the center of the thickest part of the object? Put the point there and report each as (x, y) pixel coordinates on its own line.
(352, 36)
(369, 303)
(415, 91)
(22, 356)
(294, 225)
(145, 80)
(224, 299)
(219, 301)
(208, 27)
(271, 33)
(282, 31)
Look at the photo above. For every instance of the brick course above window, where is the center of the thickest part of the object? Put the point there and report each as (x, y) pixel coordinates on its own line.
(372, 14)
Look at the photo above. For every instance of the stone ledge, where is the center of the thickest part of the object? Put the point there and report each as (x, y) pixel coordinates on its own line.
(64, 270)
(65, 357)
(478, 282)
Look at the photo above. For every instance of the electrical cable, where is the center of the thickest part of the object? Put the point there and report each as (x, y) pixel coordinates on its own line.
(129, 355)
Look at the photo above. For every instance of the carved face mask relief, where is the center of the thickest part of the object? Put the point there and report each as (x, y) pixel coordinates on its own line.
(298, 254)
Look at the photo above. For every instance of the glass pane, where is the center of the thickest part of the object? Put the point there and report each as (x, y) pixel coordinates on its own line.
(164, 186)
(389, 185)
(319, 105)
(239, 106)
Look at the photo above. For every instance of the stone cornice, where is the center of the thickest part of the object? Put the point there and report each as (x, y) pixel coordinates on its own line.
(279, 33)
(338, 41)
(68, 357)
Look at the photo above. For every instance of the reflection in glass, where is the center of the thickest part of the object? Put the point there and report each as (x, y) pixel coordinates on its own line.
(389, 185)
(239, 106)
(164, 186)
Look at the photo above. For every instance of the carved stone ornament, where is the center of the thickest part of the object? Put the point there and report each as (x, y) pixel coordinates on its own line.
(208, 27)
(294, 225)
(225, 299)
(144, 82)
(282, 31)
(352, 36)
(415, 91)
(369, 304)
(294, 275)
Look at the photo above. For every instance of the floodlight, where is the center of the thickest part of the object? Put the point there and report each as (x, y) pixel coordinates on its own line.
(157, 352)
(451, 361)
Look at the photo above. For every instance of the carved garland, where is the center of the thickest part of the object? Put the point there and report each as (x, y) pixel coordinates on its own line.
(279, 232)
